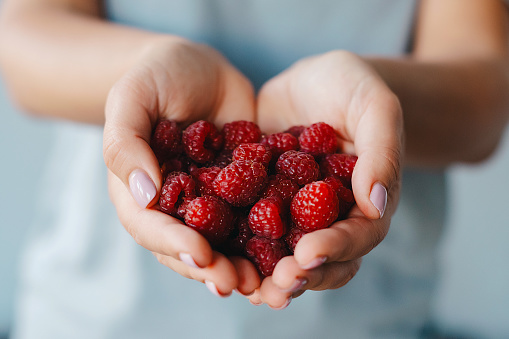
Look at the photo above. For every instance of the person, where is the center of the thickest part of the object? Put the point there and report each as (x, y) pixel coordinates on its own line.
(413, 85)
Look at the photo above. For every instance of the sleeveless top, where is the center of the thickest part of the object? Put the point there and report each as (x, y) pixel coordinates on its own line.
(83, 276)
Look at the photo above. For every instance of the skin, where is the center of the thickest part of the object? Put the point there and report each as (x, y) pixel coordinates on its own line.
(444, 102)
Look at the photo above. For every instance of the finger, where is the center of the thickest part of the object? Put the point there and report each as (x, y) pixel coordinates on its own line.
(220, 277)
(249, 279)
(345, 240)
(255, 298)
(157, 231)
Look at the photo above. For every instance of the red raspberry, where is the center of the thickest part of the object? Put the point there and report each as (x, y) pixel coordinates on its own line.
(298, 166)
(240, 132)
(293, 236)
(315, 206)
(210, 216)
(268, 218)
(222, 160)
(340, 166)
(265, 253)
(296, 130)
(280, 143)
(201, 141)
(253, 152)
(345, 196)
(239, 238)
(166, 141)
(281, 186)
(204, 178)
(318, 139)
(177, 191)
(241, 182)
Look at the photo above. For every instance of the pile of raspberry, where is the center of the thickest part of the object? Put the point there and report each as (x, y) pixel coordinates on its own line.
(251, 194)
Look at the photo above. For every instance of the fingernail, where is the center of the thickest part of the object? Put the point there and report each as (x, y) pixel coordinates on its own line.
(297, 285)
(378, 197)
(245, 295)
(314, 263)
(212, 288)
(256, 304)
(142, 188)
(285, 305)
(187, 259)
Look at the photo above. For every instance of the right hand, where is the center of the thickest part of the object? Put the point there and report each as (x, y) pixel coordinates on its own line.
(180, 80)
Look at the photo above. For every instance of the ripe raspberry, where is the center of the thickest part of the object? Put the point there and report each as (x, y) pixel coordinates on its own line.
(222, 160)
(295, 130)
(253, 152)
(340, 166)
(268, 218)
(241, 182)
(239, 132)
(293, 236)
(281, 186)
(238, 238)
(177, 191)
(201, 141)
(265, 253)
(315, 206)
(298, 166)
(318, 139)
(182, 163)
(166, 141)
(204, 178)
(345, 196)
(211, 217)
(280, 143)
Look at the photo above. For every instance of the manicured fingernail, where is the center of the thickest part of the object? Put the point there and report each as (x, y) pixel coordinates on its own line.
(378, 197)
(314, 263)
(297, 285)
(142, 188)
(212, 288)
(285, 305)
(187, 259)
(256, 304)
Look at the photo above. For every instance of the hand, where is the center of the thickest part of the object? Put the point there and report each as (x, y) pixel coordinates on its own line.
(183, 81)
(341, 89)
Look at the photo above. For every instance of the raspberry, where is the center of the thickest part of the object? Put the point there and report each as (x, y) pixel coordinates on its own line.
(166, 141)
(265, 253)
(318, 139)
(281, 186)
(293, 236)
(345, 196)
(315, 206)
(295, 130)
(280, 143)
(201, 141)
(298, 166)
(177, 191)
(239, 238)
(222, 160)
(204, 178)
(340, 166)
(240, 132)
(240, 182)
(253, 152)
(211, 217)
(267, 218)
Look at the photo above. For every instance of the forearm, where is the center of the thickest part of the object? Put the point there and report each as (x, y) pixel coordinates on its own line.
(60, 62)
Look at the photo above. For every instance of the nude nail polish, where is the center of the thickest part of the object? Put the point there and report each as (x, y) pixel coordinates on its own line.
(187, 259)
(142, 188)
(378, 197)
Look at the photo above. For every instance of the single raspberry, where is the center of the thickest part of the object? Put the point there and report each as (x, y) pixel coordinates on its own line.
(201, 141)
(265, 253)
(280, 143)
(315, 206)
(241, 182)
(340, 166)
(318, 139)
(253, 152)
(166, 141)
(223, 159)
(295, 130)
(293, 236)
(211, 217)
(239, 132)
(238, 238)
(279, 185)
(298, 166)
(178, 189)
(268, 218)
(345, 195)
(204, 178)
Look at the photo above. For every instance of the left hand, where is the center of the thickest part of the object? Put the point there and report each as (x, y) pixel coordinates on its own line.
(343, 90)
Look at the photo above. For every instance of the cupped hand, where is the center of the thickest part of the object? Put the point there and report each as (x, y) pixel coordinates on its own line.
(341, 89)
(183, 81)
